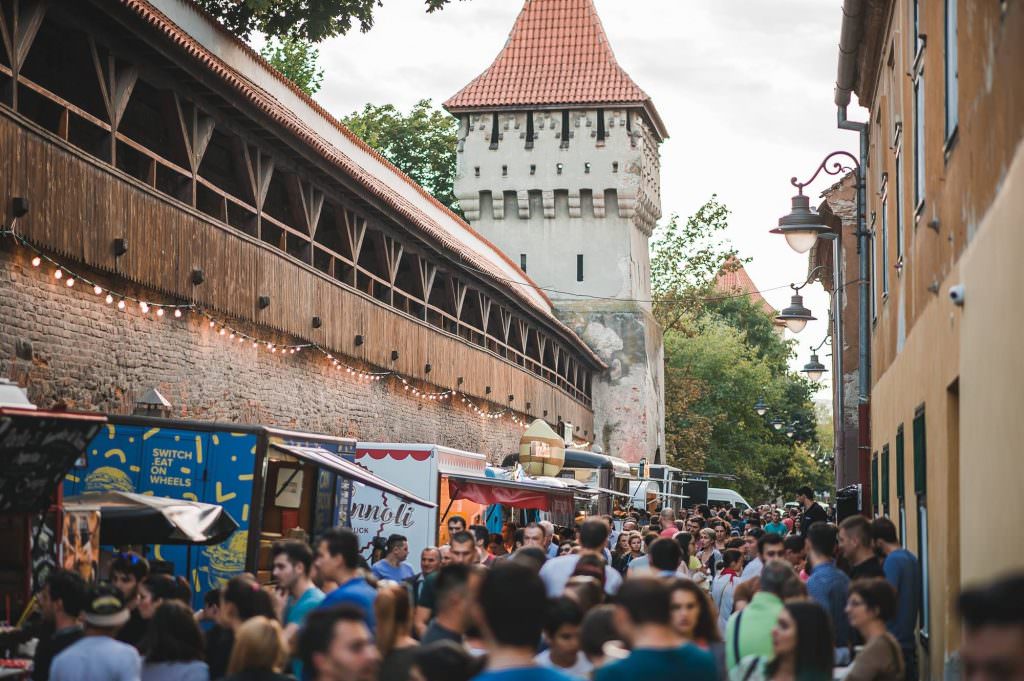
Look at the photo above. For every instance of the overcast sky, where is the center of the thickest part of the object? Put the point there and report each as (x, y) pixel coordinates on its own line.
(744, 87)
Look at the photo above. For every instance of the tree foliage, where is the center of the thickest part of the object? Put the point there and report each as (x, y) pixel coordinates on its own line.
(296, 59)
(421, 143)
(685, 260)
(722, 353)
(312, 20)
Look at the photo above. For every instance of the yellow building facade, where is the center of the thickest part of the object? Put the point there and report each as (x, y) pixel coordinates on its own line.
(945, 206)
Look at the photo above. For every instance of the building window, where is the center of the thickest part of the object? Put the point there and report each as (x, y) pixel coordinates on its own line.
(952, 72)
(494, 131)
(529, 130)
(885, 481)
(885, 247)
(522, 261)
(900, 240)
(919, 143)
(874, 279)
(874, 484)
(921, 491)
(565, 129)
(601, 134)
(901, 486)
(579, 267)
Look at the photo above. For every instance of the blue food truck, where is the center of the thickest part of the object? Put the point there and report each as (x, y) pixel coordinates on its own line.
(273, 482)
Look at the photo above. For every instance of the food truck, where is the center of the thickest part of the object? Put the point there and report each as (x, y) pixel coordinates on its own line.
(37, 448)
(273, 482)
(459, 482)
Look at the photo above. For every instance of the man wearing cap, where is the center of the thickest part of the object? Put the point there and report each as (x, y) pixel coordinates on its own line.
(97, 655)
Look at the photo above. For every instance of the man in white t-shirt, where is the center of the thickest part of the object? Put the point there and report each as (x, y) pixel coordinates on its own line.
(593, 538)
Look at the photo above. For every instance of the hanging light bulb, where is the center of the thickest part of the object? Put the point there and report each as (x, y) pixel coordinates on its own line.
(57, 274)
(70, 281)
(121, 305)
(177, 312)
(109, 299)
(159, 312)
(97, 290)
(37, 261)
(144, 306)
(222, 331)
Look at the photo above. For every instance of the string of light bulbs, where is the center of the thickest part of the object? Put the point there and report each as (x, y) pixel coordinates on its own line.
(124, 301)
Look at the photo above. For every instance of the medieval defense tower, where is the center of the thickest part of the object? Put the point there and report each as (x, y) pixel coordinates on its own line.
(558, 166)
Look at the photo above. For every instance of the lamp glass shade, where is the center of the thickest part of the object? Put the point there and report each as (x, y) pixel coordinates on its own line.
(815, 375)
(761, 411)
(796, 325)
(777, 425)
(801, 241)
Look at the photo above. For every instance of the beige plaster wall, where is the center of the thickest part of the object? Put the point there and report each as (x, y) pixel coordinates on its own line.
(992, 386)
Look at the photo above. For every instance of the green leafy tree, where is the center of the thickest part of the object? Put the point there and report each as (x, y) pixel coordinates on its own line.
(312, 20)
(297, 60)
(686, 258)
(420, 143)
(721, 354)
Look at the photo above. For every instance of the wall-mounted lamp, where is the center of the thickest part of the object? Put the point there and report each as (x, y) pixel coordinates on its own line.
(263, 302)
(317, 322)
(120, 246)
(198, 277)
(359, 339)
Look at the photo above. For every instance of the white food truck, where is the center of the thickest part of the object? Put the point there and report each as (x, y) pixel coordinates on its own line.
(420, 469)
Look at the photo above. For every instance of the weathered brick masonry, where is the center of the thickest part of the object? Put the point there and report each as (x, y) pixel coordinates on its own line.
(68, 346)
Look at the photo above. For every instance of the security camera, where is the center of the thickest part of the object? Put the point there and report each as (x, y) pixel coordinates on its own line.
(956, 294)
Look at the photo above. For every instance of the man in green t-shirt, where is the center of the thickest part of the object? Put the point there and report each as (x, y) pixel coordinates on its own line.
(749, 631)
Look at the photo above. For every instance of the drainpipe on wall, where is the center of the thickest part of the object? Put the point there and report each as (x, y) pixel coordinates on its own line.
(849, 44)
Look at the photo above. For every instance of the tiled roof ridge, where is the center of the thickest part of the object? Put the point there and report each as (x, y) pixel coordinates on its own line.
(734, 278)
(581, 50)
(265, 101)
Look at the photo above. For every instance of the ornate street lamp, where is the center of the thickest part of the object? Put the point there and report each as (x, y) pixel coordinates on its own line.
(802, 226)
(815, 369)
(790, 431)
(776, 424)
(760, 407)
(796, 315)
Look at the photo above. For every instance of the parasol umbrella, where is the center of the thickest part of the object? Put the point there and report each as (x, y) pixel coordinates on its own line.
(127, 518)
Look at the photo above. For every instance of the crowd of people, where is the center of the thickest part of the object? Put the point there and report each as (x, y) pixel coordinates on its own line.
(710, 595)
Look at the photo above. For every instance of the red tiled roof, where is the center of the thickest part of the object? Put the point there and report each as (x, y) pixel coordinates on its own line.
(557, 53)
(733, 279)
(373, 183)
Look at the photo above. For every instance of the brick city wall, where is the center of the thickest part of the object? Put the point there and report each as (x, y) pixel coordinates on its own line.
(69, 347)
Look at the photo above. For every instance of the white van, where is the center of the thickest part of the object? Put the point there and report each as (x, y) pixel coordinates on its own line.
(722, 496)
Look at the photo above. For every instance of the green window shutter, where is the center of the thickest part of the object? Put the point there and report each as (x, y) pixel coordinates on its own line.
(874, 483)
(901, 491)
(920, 454)
(885, 479)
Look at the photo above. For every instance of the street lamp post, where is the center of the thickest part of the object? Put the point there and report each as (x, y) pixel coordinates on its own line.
(815, 369)
(796, 316)
(802, 226)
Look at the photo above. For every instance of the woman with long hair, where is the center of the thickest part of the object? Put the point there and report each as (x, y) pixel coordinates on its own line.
(175, 645)
(695, 620)
(620, 554)
(260, 651)
(803, 644)
(690, 566)
(241, 599)
(156, 589)
(870, 604)
(393, 608)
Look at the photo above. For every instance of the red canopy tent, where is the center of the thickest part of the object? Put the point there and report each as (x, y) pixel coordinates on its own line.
(515, 493)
